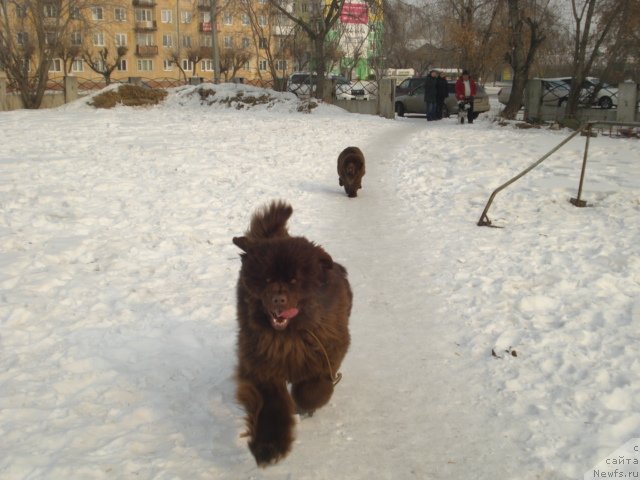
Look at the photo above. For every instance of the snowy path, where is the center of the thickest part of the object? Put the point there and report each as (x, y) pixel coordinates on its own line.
(408, 405)
(406, 382)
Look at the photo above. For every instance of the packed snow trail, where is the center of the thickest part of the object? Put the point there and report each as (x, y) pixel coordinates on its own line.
(436, 424)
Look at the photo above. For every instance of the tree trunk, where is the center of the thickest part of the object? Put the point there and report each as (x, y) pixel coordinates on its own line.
(318, 42)
(520, 59)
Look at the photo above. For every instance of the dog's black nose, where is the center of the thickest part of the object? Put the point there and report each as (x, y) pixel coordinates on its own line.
(279, 300)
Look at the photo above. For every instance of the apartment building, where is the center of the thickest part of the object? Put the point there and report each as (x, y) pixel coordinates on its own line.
(173, 39)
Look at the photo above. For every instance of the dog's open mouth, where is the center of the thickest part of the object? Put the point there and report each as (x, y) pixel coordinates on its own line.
(280, 320)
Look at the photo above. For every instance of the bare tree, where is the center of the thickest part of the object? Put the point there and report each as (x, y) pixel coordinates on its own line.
(526, 22)
(317, 23)
(32, 34)
(232, 60)
(102, 62)
(593, 21)
(472, 26)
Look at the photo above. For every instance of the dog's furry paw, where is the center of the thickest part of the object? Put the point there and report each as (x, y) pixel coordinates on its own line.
(267, 453)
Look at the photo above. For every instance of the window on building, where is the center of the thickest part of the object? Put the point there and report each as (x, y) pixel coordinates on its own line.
(227, 18)
(228, 42)
(145, 39)
(26, 65)
(98, 39)
(185, 16)
(281, 65)
(74, 13)
(246, 66)
(262, 42)
(76, 38)
(50, 10)
(55, 65)
(245, 19)
(304, 7)
(145, 65)
(99, 64)
(121, 39)
(167, 40)
(144, 15)
(97, 13)
(77, 65)
(246, 43)
(206, 41)
(262, 20)
(186, 41)
(21, 11)
(166, 16)
(120, 14)
(206, 65)
(187, 65)
(122, 65)
(50, 38)
(262, 65)
(167, 65)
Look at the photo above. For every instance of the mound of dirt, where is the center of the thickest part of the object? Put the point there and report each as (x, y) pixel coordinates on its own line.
(129, 95)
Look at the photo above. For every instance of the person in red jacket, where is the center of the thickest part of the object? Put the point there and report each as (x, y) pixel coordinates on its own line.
(465, 92)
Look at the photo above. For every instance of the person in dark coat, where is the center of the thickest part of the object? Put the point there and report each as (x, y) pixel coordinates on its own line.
(442, 92)
(430, 95)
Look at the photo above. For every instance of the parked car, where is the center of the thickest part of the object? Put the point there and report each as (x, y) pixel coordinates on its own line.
(408, 84)
(302, 83)
(595, 92)
(346, 90)
(555, 91)
(413, 102)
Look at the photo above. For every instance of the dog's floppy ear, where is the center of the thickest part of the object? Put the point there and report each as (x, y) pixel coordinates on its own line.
(243, 242)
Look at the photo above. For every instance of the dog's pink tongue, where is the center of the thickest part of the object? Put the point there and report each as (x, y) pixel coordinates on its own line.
(289, 313)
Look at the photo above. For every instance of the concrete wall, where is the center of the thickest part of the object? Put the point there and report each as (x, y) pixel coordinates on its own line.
(383, 105)
(51, 99)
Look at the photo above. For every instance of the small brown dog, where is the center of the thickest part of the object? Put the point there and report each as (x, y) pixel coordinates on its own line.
(351, 170)
(294, 304)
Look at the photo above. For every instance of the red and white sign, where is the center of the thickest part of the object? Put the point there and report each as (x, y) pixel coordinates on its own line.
(354, 13)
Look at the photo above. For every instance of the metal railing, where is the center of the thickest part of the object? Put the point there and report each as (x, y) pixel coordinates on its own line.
(578, 202)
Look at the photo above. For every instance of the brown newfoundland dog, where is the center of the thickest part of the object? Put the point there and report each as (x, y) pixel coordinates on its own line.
(351, 170)
(294, 304)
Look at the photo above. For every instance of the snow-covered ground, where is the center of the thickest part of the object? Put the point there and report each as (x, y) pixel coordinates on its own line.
(117, 301)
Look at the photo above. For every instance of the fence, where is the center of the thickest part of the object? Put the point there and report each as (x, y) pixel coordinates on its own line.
(543, 105)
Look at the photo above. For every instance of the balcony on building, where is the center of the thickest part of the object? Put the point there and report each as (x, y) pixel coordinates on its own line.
(146, 50)
(144, 3)
(204, 26)
(205, 52)
(146, 26)
(204, 4)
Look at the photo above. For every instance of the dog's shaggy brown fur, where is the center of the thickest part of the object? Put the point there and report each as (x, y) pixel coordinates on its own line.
(351, 170)
(294, 304)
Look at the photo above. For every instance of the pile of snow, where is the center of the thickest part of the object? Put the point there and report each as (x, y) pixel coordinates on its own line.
(235, 96)
(117, 293)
